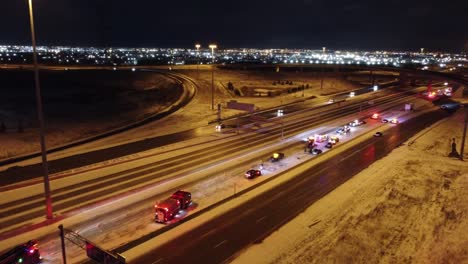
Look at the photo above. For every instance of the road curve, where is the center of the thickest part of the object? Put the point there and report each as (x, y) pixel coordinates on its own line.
(190, 90)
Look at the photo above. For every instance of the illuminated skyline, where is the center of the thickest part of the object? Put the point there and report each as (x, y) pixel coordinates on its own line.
(351, 25)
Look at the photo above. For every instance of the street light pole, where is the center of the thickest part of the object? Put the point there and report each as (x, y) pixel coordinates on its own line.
(462, 150)
(45, 167)
(212, 47)
(198, 59)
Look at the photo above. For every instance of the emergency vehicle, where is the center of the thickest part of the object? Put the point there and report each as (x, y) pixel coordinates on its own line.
(321, 138)
(311, 142)
(166, 210)
(27, 253)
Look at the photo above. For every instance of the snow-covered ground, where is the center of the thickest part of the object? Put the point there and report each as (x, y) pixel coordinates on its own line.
(409, 207)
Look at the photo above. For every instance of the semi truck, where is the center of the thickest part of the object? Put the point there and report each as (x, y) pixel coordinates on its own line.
(165, 211)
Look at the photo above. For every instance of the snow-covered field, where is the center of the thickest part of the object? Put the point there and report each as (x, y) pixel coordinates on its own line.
(409, 207)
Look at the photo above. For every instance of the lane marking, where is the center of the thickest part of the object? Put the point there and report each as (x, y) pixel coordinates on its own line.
(220, 243)
(260, 219)
(209, 232)
(157, 261)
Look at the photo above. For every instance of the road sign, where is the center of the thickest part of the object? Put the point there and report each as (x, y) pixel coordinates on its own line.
(103, 256)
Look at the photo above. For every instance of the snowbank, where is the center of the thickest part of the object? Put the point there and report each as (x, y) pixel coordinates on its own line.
(410, 206)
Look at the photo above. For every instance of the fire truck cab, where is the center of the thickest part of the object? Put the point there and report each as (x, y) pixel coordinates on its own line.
(166, 210)
(27, 253)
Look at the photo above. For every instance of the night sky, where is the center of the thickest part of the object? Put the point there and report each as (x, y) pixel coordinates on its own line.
(354, 25)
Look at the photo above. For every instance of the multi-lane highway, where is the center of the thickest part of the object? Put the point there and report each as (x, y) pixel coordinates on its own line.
(90, 190)
(219, 239)
(214, 156)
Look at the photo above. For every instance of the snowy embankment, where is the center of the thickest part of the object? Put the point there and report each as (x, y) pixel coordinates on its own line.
(410, 206)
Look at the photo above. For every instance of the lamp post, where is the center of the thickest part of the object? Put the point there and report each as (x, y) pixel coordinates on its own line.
(212, 47)
(198, 58)
(45, 167)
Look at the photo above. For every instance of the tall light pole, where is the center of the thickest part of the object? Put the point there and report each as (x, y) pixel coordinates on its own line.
(45, 167)
(212, 47)
(462, 150)
(198, 58)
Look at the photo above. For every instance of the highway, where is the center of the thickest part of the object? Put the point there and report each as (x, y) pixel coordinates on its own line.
(214, 157)
(27, 172)
(219, 239)
(90, 190)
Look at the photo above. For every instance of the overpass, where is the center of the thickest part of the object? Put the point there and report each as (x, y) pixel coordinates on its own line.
(406, 75)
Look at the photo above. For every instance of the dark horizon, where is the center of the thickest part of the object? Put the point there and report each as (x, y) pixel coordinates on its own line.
(297, 24)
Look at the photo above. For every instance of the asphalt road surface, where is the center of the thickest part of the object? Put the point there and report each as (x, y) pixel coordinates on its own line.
(220, 239)
(90, 191)
(34, 171)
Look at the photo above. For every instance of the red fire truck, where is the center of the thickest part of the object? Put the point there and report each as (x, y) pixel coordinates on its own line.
(166, 210)
(27, 253)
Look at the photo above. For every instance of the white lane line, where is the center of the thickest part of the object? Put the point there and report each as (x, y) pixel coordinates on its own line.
(157, 261)
(209, 232)
(260, 219)
(220, 243)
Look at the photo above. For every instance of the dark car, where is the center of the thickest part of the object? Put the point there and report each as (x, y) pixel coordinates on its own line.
(277, 156)
(378, 134)
(316, 151)
(250, 174)
(220, 126)
(329, 145)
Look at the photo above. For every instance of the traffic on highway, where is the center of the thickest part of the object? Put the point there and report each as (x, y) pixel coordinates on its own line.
(205, 173)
